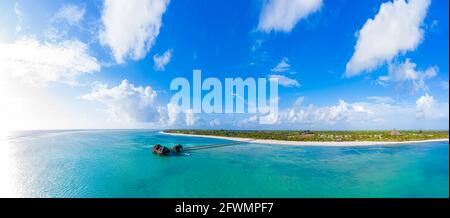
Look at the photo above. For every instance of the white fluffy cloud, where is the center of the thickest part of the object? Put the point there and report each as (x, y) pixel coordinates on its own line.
(396, 29)
(425, 106)
(190, 118)
(380, 112)
(172, 113)
(249, 120)
(311, 115)
(283, 15)
(285, 81)
(406, 72)
(130, 27)
(369, 115)
(173, 116)
(38, 63)
(283, 66)
(126, 102)
(329, 115)
(72, 14)
(162, 60)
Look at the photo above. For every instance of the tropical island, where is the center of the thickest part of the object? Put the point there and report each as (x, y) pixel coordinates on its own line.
(307, 137)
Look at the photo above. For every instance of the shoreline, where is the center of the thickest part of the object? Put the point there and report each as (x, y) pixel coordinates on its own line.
(309, 143)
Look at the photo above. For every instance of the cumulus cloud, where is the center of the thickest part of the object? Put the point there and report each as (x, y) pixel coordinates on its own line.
(172, 113)
(249, 120)
(381, 112)
(358, 115)
(315, 116)
(162, 60)
(130, 28)
(173, 116)
(429, 108)
(285, 81)
(343, 111)
(396, 29)
(283, 15)
(38, 63)
(126, 102)
(424, 106)
(407, 72)
(283, 66)
(191, 118)
(72, 14)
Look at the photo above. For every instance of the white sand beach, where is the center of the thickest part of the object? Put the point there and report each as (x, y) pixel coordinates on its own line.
(311, 143)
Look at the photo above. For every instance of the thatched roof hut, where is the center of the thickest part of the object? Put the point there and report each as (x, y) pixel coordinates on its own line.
(395, 132)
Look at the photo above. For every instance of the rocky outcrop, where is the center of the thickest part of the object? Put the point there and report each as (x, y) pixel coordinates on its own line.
(177, 148)
(160, 150)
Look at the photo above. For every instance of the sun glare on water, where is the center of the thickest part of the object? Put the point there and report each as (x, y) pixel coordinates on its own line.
(7, 162)
(7, 168)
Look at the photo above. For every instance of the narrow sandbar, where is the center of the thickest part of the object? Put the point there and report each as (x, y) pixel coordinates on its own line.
(311, 143)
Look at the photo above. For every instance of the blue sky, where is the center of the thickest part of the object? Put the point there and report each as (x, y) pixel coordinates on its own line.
(344, 64)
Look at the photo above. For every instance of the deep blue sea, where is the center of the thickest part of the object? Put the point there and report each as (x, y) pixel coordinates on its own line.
(119, 163)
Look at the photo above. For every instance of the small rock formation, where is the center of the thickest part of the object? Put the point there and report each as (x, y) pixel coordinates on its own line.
(156, 148)
(160, 150)
(177, 148)
(164, 151)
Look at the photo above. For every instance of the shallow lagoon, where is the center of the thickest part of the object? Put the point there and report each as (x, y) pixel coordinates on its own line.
(119, 163)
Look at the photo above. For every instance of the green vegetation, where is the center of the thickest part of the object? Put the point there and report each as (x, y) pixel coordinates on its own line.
(307, 135)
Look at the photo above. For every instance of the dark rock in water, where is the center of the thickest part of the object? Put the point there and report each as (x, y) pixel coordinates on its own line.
(164, 151)
(156, 148)
(160, 150)
(177, 148)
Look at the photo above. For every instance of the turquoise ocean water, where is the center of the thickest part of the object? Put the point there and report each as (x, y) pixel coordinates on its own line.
(119, 163)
